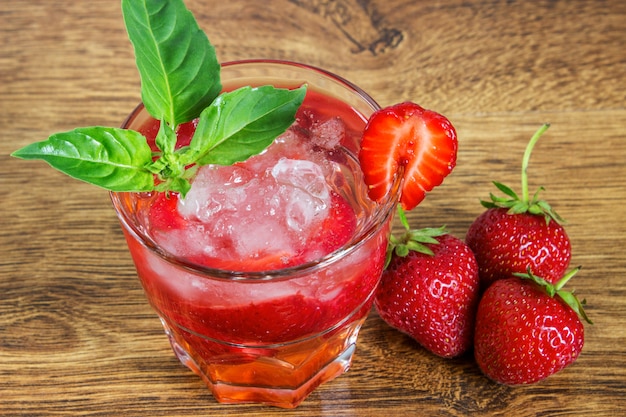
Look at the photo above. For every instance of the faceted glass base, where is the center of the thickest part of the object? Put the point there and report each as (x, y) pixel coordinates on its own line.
(278, 375)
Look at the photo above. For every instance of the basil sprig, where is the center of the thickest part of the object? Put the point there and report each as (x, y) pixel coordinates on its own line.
(177, 64)
(180, 81)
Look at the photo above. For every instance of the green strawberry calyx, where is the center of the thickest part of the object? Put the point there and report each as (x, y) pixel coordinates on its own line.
(412, 240)
(557, 289)
(524, 204)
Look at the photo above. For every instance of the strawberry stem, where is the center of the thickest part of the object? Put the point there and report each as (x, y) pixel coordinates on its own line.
(402, 216)
(526, 160)
(524, 203)
(561, 283)
(412, 240)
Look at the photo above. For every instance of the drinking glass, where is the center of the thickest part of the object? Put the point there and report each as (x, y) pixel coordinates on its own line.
(269, 337)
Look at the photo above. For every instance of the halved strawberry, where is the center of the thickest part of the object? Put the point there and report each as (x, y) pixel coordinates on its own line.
(407, 140)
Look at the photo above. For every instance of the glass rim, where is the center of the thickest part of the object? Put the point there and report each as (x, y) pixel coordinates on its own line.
(382, 212)
(331, 75)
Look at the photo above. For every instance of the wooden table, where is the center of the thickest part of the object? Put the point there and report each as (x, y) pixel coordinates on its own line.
(76, 334)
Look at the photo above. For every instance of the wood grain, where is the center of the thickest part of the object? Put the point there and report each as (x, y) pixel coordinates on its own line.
(76, 334)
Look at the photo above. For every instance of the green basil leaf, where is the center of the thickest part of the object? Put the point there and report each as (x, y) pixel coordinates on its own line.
(243, 123)
(112, 158)
(180, 74)
(166, 138)
(177, 185)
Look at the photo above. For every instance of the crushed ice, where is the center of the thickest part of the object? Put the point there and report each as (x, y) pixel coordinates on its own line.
(268, 204)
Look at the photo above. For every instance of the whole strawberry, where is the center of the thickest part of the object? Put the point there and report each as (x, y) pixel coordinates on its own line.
(527, 329)
(429, 290)
(516, 233)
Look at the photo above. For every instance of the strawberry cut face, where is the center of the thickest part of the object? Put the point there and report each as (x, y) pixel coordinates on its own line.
(409, 141)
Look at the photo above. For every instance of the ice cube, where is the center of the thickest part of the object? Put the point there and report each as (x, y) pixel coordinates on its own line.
(304, 191)
(260, 239)
(215, 189)
(304, 175)
(329, 134)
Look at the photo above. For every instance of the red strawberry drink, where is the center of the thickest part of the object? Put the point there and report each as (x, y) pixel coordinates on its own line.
(263, 274)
